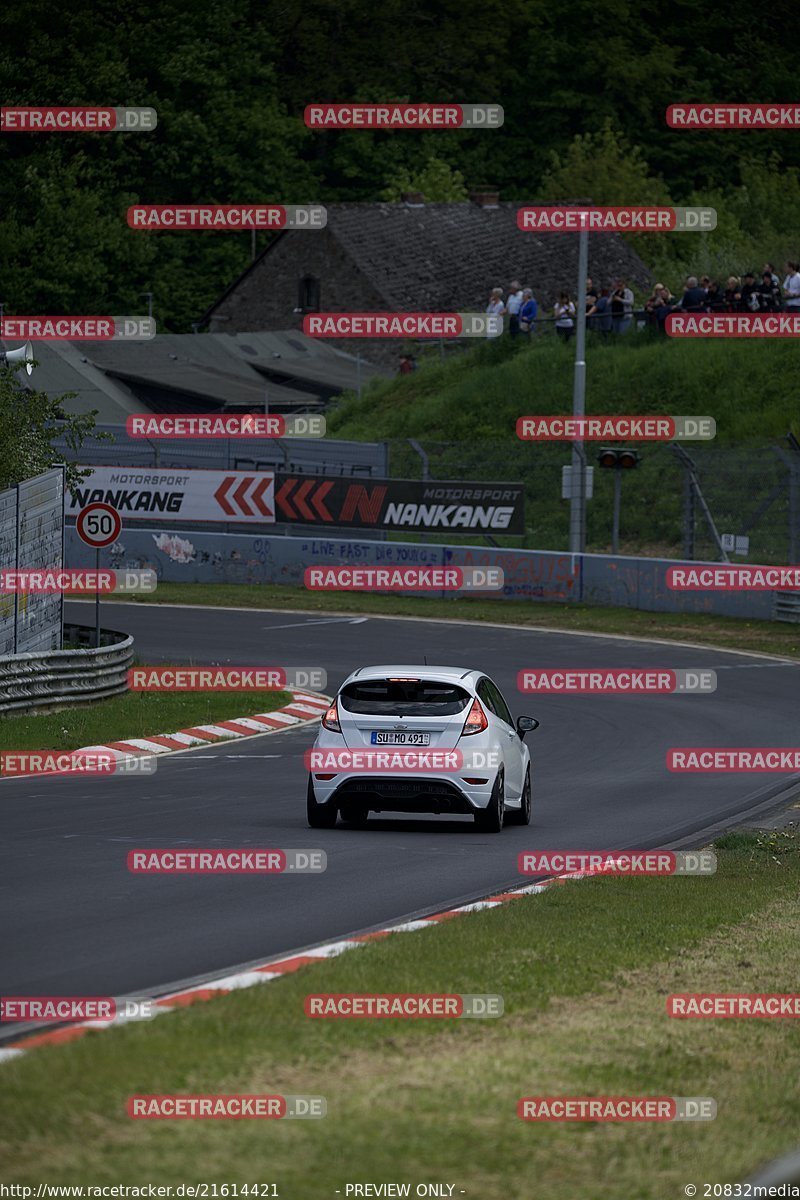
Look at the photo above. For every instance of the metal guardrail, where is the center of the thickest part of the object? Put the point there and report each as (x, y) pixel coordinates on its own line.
(787, 607)
(73, 676)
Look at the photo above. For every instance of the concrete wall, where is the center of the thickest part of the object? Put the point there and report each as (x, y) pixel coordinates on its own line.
(190, 556)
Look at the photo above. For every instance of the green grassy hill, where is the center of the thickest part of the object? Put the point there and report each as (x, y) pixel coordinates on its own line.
(463, 411)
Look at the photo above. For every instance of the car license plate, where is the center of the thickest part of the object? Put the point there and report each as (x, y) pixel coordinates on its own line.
(404, 738)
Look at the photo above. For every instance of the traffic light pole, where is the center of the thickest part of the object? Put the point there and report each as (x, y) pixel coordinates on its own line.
(617, 499)
(577, 507)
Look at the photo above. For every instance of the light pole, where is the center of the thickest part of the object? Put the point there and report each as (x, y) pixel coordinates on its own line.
(149, 304)
(577, 506)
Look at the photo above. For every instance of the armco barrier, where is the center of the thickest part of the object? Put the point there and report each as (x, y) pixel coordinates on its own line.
(73, 676)
(619, 581)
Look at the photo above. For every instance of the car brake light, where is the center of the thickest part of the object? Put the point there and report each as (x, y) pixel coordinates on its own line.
(476, 721)
(331, 719)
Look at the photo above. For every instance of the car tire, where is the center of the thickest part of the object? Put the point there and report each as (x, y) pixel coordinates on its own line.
(522, 816)
(355, 813)
(490, 819)
(320, 816)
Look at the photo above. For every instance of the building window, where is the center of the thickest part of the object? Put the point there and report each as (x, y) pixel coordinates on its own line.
(309, 294)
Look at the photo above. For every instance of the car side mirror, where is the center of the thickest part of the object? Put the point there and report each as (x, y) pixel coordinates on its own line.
(526, 725)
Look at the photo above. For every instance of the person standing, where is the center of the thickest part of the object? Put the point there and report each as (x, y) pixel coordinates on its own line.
(769, 293)
(748, 301)
(791, 288)
(495, 308)
(694, 296)
(600, 314)
(621, 307)
(564, 312)
(528, 313)
(513, 305)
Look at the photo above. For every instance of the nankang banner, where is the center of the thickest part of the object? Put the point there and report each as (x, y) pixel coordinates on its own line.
(401, 504)
(180, 494)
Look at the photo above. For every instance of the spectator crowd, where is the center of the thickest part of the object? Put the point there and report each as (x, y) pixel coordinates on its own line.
(610, 310)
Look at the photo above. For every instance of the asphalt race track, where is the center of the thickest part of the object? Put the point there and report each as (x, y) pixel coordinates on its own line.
(77, 923)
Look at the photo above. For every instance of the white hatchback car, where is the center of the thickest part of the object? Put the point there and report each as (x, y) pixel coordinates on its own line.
(418, 715)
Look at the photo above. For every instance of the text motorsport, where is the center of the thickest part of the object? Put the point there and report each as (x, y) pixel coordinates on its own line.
(634, 218)
(78, 329)
(404, 579)
(617, 1108)
(405, 1006)
(401, 325)
(76, 581)
(597, 429)
(225, 679)
(226, 1107)
(225, 218)
(71, 119)
(619, 681)
(230, 861)
(224, 425)
(739, 578)
(75, 762)
(403, 116)
(333, 761)
(734, 759)
(617, 862)
(733, 325)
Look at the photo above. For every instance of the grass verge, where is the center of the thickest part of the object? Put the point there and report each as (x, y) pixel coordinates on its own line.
(136, 714)
(765, 637)
(584, 969)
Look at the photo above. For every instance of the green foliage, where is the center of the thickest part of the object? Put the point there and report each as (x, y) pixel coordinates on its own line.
(27, 425)
(437, 181)
(584, 101)
(602, 167)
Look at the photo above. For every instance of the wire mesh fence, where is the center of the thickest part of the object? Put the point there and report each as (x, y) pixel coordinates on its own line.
(674, 504)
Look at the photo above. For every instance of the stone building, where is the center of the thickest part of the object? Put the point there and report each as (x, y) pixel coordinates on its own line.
(411, 256)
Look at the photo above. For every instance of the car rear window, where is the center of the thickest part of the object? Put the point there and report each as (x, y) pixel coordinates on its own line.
(404, 698)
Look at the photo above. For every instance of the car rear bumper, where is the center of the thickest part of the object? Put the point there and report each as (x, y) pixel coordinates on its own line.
(408, 794)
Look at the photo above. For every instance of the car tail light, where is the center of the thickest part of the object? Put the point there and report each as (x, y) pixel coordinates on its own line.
(476, 721)
(474, 779)
(331, 719)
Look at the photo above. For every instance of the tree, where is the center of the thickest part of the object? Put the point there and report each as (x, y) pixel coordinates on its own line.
(437, 181)
(29, 421)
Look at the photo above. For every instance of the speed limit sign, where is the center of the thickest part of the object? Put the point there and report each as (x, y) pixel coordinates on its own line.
(98, 524)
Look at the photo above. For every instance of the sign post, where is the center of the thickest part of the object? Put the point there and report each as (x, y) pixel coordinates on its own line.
(98, 525)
